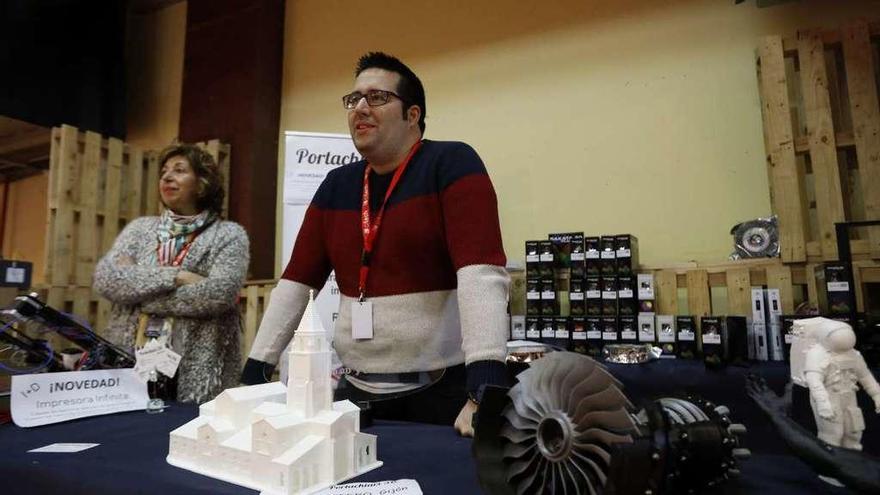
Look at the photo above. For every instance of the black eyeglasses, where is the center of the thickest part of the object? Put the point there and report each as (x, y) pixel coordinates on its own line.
(375, 98)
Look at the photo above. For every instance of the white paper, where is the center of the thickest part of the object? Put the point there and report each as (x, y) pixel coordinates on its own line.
(396, 487)
(46, 398)
(362, 320)
(64, 448)
(154, 355)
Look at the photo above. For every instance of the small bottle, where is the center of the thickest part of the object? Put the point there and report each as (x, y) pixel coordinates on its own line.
(155, 404)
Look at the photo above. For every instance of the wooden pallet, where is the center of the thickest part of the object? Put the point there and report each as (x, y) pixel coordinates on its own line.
(822, 136)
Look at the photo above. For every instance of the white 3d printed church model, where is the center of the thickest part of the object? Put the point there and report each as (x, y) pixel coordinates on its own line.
(277, 439)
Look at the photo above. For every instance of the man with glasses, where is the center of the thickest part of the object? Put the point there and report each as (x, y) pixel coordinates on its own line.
(412, 232)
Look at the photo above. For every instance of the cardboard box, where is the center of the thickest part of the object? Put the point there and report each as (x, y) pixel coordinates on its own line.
(607, 256)
(517, 327)
(610, 331)
(647, 332)
(628, 330)
(836, 294)
(592, 256)
(547, 260)
(687, 336)
(626, 248)
(665, 328)
(576, 300)
(533, 260)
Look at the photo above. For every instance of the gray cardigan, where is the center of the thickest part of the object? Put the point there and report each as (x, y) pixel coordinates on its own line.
(207, 324)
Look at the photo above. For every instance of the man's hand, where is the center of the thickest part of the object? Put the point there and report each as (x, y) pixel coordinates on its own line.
(464, 422)
(184, 277)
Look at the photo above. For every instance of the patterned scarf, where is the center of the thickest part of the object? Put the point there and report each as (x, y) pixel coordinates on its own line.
(176, 231)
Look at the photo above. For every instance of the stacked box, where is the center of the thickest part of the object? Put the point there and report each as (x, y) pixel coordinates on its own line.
(647, 333)
(774, 325)
(757, 339)
(533, 260)
(687, 337)
(645, 292)
(609, 296)
(592, 256)
(561, 333)
(576, 301)
(545, 251)
(627, 304)
(607, 258)
(610, 331)
(548, 330)
(533, 328)
(594, 336)
(787, 335)
(548, 297)
(578, 335)
(712, 329)
(665, 327)
(517, 327)
(578, 260)
(836, 296)
(736, 339)
(593, 296)
(533, 297)
(628, 330)
(626, 249)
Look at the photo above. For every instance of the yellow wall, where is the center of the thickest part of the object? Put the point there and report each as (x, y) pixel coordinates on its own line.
(155, 76)
(636, 116)
(24, 232)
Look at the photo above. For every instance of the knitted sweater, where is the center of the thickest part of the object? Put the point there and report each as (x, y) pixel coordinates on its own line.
(207, 326)
(437, 280)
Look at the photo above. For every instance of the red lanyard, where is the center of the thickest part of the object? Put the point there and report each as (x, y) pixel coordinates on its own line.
(182, 254)
(371, 230)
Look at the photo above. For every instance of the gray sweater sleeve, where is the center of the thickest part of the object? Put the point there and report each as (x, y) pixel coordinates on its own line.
(122, 281)
(218, 292)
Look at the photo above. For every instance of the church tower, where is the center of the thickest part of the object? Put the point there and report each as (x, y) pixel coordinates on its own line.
(308, 388)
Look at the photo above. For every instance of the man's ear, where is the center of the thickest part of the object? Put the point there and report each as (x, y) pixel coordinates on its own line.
(413, 114)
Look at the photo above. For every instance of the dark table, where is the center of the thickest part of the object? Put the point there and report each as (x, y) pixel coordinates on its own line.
(133, 446)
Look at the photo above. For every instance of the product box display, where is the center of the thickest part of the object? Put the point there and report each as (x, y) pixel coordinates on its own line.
(628, 330)
(594, 336)
(561, 333)
(626, 249)
(576, 301)
(562, 248)
(593, 296)
(578, 259)
(548, 330)
(609, 296)
(578, 328)
(533, 297)
(548, 297)
(533, 260)
(757, 335)
(627, 304)
(665, 327)
(687, 337)
(607, 256)
(517, 327)
(610, 331)
(836, 295)
(713, 341)
(774, 325)
(725, 340)
(647, 333)
(592, 256)
(545, 251)
(645, 287)
(533, 328)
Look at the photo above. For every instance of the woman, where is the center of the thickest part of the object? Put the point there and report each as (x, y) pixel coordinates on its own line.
(181, 272)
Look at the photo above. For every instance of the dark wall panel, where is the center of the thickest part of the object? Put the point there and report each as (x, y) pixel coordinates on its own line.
(232, 91)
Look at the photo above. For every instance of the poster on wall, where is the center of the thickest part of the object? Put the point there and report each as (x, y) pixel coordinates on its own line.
(308, 158)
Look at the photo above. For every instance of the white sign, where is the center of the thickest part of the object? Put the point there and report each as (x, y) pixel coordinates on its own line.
(308, 158)
(46, 398)
(64, 448)
(397, 487)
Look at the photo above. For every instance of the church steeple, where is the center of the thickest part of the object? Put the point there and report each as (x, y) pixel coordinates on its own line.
(308, 386)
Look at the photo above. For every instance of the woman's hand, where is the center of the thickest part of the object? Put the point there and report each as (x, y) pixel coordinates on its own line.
(184, 277)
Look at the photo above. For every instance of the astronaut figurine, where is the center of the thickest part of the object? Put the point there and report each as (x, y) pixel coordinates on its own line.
(833, 370)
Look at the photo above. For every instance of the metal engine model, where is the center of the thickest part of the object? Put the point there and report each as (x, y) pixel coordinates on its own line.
(566, 428)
